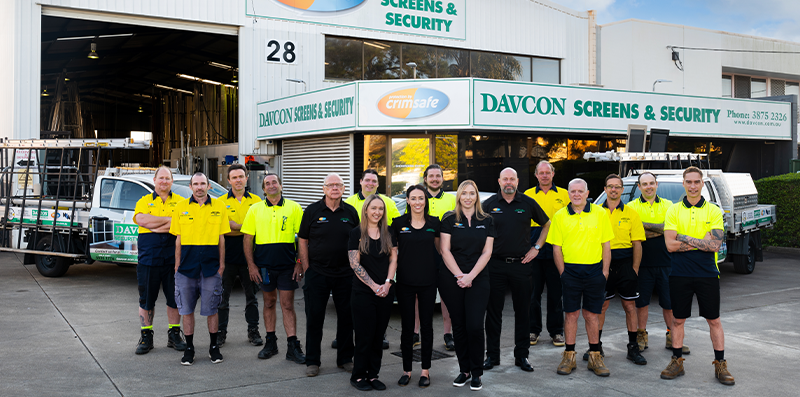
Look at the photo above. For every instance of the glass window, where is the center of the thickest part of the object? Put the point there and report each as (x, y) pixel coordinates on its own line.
(120, 195)
(381, 60)
(425, 58)
(727, 90)
(758, 88)
(452, 63)
(410, 156)
(496, 66)
(446, 155)
(375, 157)
(343, 59)
(546, 71)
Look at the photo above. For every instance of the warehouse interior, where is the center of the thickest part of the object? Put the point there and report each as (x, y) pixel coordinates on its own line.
(105, 80)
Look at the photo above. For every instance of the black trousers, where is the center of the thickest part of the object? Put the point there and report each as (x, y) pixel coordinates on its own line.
(516, 277)
(232, 270)
(467, 308)
(370, 319)
(545, 272)
(316, 291)
(407, 296)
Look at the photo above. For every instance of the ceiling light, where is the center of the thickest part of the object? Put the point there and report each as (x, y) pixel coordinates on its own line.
(376, 45)
(94, 37)
(140, 109)
(115, 35)
(44, 92)
(75, 38)
(93, 54)
(209, 82)
(166, 87)
(187, 77)
(220, 65)
(234, 79)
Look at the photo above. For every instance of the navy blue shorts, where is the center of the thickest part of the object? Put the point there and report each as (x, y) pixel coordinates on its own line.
(683, 289)
(150, 279)
(280, 279)
(654, 278)
(622, 280)
(591, 291)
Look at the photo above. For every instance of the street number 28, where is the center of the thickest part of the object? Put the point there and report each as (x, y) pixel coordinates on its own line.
(281, 53)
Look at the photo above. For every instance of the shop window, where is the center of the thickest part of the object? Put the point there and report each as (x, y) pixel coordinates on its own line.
(793, 89)
(452, 63)
(545, 70)
(375, 157)
(496, 66)
(741, 87)
(343, 59)
(758, 88)
(446, 155)
(381, 60)
(727, 87)
(424, 56)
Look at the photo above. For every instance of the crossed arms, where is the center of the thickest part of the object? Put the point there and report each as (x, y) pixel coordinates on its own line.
(711, 242)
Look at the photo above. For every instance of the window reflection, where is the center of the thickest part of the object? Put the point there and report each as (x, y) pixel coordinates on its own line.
(343, 59)
(381, 60)
(546, 70)
(495, 66)
(425, 58)
(453, 63)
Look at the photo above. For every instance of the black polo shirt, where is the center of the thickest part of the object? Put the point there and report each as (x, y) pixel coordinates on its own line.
(417, 256)
(513, 223)
(467, 239)
(375, 263)
(327, 233)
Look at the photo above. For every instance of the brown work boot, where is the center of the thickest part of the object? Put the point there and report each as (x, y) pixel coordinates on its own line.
(668, 345)
(567, 363)
(596, 364)
(674, 369)
(722, 374)
(641, 339)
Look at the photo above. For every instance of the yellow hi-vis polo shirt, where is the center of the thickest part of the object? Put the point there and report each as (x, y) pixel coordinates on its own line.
(650, 213)
(555, 199)
(357, 200)
(580, 235)
(439, 204)
(199, 228)
(627, 227)
(234, 247)
(654, 249)
(694, 221)
(274, 228)
(156, 249)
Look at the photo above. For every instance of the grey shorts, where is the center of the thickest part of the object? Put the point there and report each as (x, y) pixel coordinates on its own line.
(207, 289)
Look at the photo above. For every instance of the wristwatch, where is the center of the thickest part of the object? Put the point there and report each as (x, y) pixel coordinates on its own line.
(537, 247)
(390, 281)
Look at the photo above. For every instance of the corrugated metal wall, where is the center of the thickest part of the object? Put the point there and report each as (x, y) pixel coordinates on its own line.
(306, 162)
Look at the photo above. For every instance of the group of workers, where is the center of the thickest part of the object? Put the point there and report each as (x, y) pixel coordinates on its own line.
(363, 253)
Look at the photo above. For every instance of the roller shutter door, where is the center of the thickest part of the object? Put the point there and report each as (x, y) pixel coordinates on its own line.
(306, 162)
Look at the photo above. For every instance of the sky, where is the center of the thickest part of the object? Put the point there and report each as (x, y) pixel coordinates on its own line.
(778, 19)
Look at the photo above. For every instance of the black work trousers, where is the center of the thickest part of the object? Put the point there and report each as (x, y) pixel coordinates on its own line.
(545, 272)
(407, 296)
(233, 270)
(316, 291)
(370, 319)
(515, 276)
(467, 308)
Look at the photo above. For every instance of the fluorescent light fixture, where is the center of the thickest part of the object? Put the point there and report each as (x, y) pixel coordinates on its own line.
(376, 45)
(166, 87)
(220, 65)
(188, 77)
(94, 37)
(75, 38)
(115, 35)
(230, 86)
(210, 82)
(143, 96)
(44, 93)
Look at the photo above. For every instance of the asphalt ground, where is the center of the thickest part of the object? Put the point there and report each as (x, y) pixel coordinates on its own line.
(76, 335)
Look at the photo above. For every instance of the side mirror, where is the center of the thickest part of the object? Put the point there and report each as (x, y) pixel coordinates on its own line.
(590, 200)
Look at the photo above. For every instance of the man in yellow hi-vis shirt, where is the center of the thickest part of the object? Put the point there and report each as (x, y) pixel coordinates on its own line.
(200, 223)
(369, 185)
(273, 224)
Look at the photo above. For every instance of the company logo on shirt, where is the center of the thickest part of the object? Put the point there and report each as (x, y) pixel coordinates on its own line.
(322, 5)
(430, 230)
(322, 219)
(458, 225)
(519, 211)
(345, 220)
(216, 213)
(413, 103)
(497, 211)
(480, 227)
(151, 204)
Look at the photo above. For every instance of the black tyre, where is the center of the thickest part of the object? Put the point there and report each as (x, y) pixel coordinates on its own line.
(745, 264)
(50, 265)
(126, 264)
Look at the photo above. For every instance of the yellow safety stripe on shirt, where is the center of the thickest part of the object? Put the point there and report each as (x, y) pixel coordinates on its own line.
(237, 210)
(152, 204)
(272, 224)
(357, 200)
(441, 204)
(650, 213)
(555, 199)
(198, 225)
(627, 226)
(580, 235)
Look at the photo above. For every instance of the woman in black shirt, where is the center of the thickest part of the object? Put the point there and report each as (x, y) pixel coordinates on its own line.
(373, 256)
(467, 235)
(417, 236)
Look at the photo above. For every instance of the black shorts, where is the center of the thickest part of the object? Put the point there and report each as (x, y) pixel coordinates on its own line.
(654, 278)
(589, 289)
(682, 289)
(280, 279)
(150, 278)
(622, 280)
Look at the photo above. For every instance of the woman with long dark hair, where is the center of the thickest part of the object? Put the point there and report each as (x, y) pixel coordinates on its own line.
(417, 236)
(373, 257)
(467, 236)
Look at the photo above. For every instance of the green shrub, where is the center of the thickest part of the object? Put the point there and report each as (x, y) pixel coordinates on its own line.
(784, 192)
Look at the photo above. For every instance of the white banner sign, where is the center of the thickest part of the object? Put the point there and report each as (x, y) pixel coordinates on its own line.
(435, 18)
(436, 103)
(326, 110)
(514, 105)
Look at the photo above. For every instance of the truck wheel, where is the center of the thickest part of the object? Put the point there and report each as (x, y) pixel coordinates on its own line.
(745, 264)
(49, 265)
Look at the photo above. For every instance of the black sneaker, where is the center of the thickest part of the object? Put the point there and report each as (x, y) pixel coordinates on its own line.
(294, 352)
(222, 335)
(175, 339)
(188, 356)
(270, 348)
(385, 342)
(586, 355)
(415, 340)
(476, 384)
(214, 354)
(449, 342)
(461, 379)
(253, 336)
(634, 354)
(334, 344)
(145, 342)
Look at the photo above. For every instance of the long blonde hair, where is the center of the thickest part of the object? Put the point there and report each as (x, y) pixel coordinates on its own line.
(479, 214)
(383, 228)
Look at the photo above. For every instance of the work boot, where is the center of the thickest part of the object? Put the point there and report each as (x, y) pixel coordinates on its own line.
(722, 374)
(567, 363)
(175, 339)
(294, 352)
(596, 364)
(684, 349)
(145, 342)
(270, 348)
(222, 335)
(634, 354)
(674, 368)
(641, 339)
(586, 355)
(253, 336)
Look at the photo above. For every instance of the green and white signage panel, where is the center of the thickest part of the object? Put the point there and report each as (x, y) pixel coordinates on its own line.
(322, 111)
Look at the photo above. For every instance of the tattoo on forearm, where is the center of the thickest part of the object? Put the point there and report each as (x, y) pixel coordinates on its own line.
(713, 245)
(359, 271)
(654, 227)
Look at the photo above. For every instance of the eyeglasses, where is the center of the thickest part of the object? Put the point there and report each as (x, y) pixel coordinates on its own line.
(334, 185)
(614, 187)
